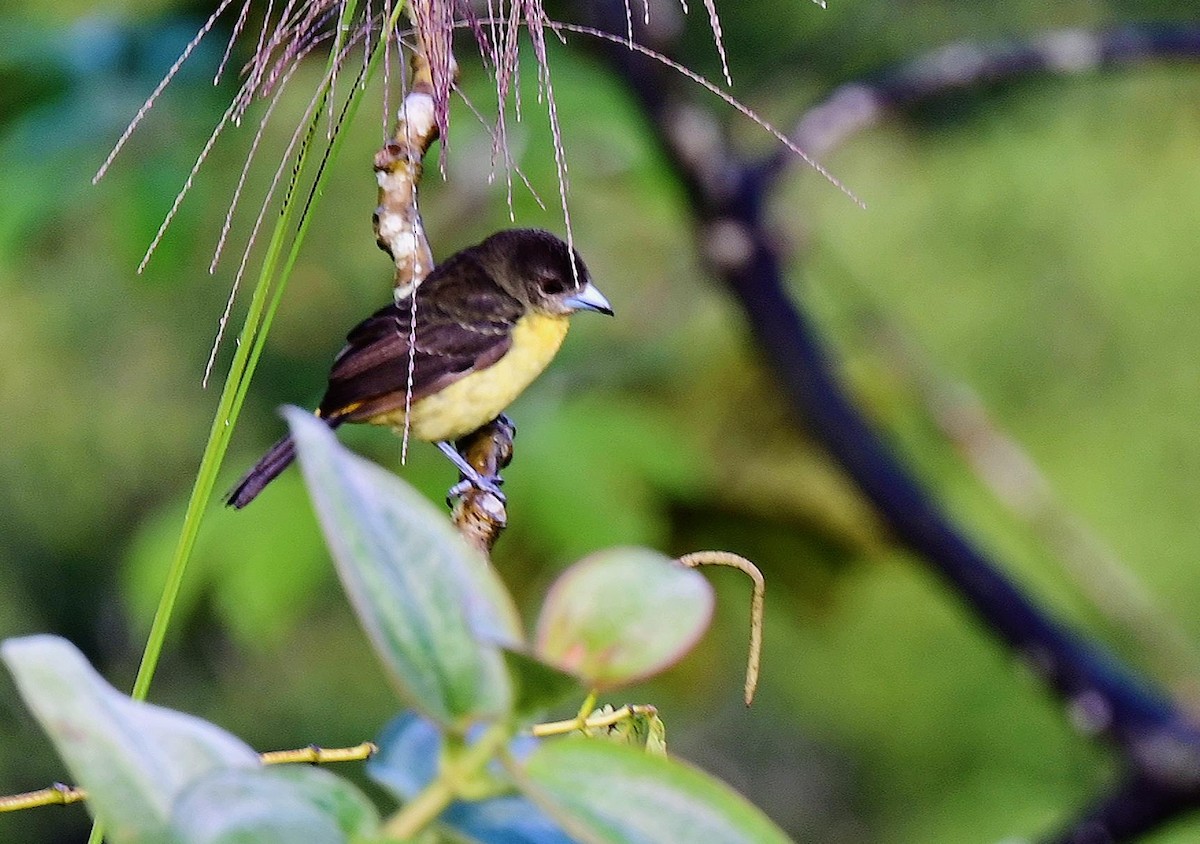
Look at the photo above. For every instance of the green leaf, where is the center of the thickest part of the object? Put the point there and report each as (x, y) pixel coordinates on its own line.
(434, 609)
(607, 793)
(621, 615)
(133, 758)
(268, 805)
(539, 687)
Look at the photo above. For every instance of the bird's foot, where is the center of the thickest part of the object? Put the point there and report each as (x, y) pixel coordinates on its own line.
(490, 484)
(505, 421)
(471, 476)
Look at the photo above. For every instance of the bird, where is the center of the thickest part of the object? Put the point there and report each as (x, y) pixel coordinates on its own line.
(489, 319)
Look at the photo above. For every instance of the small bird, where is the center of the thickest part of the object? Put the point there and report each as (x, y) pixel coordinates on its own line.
(488, 321)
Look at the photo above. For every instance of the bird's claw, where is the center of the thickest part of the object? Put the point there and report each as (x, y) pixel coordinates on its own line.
(505, 421)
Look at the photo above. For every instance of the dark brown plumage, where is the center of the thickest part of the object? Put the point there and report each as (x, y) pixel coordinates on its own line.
(488, 320)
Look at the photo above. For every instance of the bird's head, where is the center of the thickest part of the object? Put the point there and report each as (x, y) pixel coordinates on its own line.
(542, 271)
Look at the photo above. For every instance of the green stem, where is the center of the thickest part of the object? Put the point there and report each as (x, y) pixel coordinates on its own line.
(421, 811)
(456, 771)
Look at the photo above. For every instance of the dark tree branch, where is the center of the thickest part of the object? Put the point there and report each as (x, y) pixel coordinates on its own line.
(1135, 807)
(1156, 738)
(857, 106)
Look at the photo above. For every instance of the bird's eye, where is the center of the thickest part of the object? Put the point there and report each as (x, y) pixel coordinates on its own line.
(552, 285)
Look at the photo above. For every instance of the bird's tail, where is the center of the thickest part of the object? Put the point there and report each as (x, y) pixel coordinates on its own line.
(277, 458)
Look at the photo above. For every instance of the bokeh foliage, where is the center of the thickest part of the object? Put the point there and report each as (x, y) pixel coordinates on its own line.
(1033, 241)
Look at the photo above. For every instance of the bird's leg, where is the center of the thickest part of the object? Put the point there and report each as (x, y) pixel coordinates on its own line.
(486, 451)
(477, 509)
(472, 476)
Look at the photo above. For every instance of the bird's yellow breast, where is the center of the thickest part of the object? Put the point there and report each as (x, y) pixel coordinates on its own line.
(480, 397)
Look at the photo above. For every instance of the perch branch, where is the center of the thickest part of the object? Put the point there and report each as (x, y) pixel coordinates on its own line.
(398, 168)
(399, 231)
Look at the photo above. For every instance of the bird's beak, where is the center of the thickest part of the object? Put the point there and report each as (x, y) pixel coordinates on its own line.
(589, 299)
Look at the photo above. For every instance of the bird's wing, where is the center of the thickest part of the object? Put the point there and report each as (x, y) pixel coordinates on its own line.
(464, 324)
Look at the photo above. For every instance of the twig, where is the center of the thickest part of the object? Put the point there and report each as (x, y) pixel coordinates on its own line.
(314, 755)
(595, 721)
(58, 794)
(62, 795)
(725, 558)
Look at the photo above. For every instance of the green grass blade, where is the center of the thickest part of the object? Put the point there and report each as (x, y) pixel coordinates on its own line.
(264, 302)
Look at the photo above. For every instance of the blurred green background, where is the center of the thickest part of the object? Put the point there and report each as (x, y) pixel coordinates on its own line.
(1032, 242)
